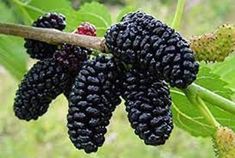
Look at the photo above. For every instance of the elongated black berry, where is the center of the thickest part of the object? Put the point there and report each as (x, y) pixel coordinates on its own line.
(140, 39)
(148, 103)
(41, 50)
(43, 83)
(92, 101)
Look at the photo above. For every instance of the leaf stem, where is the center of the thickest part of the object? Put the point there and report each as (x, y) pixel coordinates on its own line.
(206, 112)
(212, 97)
(178, 14)
(201, 106)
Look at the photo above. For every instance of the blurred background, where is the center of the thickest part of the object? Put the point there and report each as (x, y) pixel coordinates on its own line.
(47, 137)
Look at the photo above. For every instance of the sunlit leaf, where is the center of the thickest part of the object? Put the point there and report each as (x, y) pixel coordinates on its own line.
(13, 56)
(6, 14)
(226, 70)
(51, 5)
(98, 10)
(187, 117)
(213, 82)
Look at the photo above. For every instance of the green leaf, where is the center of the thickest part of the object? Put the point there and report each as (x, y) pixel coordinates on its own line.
(64, 7)
(188, 117)
(23, 11)
(124, 11)
(213, 82)
(51, 5)
(226, 70)
(12, 56)
(6, 14)
(35, 8)
(97, 10)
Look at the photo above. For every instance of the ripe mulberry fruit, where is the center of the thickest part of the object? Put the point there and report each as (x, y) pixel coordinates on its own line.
(148, 103)
(92, 101)
(43, 83)
(41, 50)
(140, 39)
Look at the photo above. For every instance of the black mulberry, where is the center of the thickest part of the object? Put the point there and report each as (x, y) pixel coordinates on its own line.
(140, 39)
(92, 101)
(148, 103)
(41, 50)
(43, 83)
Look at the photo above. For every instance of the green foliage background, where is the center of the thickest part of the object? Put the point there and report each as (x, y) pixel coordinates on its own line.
(47, 137)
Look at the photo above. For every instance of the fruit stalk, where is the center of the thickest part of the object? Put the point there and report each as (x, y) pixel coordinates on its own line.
(201, 106)
(178, 14)
(212, 98)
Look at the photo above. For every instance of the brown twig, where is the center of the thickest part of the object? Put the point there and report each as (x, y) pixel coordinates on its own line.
(52, 36)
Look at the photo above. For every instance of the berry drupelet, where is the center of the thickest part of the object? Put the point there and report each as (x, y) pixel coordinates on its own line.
(48, 78)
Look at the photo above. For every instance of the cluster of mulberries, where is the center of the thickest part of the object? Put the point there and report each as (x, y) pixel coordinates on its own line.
(154, 53)
(141, 39)
(146, 53)
(53, 75)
